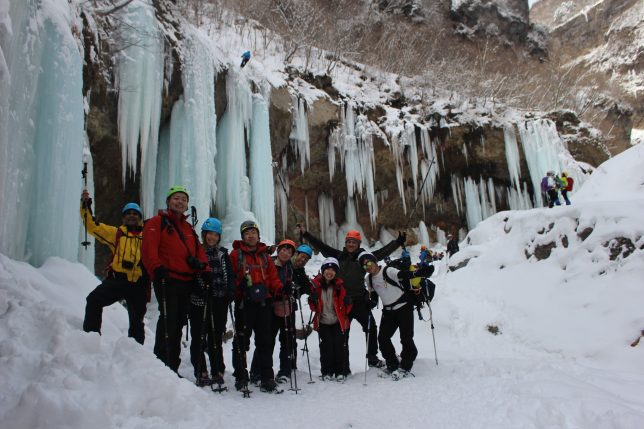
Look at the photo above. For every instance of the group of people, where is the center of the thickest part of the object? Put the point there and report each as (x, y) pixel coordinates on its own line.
(552, 184)
(195, 279)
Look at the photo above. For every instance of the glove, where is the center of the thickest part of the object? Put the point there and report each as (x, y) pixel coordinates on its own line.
(372, 302)
(313, 299)
(402, 238)
(207, 277)
(287, 289)
(160, 274)
(347, 300)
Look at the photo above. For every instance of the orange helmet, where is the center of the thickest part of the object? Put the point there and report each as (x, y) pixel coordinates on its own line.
(353, 234)
(423, 247)
(286, 242)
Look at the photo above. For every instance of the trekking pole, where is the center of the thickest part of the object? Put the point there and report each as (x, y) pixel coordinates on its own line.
(306, 344)
(84, 174)
(366, 356)
(202, 346)
(431, 323)
(165, 324)
(421, 188)
(290, 342)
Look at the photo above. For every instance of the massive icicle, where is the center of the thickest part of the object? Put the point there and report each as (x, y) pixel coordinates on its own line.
(480, 202)
(328, 226)
(140, 83)
(512, 155)
(356, 156)
(42, 140)
(299, 137)
(261, 169)
(187, 150)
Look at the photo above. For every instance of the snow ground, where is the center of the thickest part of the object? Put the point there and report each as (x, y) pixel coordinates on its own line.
(562, 358)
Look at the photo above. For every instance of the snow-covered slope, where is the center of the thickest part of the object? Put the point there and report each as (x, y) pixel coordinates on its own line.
(561, 357)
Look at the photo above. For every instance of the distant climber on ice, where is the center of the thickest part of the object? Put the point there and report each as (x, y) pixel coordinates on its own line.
(549, 185)
(245, 58)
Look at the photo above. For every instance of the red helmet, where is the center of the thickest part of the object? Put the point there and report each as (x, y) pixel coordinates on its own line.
(286, 242)
(354, 235)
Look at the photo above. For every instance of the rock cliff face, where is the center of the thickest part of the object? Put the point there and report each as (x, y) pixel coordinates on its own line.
(605, 37)
(467, 146)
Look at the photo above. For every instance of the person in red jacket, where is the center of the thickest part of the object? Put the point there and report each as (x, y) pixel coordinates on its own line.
(331, 306)
(257, 282)
(174, 256)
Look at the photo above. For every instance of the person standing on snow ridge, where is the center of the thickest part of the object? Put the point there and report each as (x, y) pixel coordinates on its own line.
(397, 311)
(352, 274)
(125, 279)
(209, 309)
(551, 189)
(452, 245)
(331, 306)
(257, 283)
(566, 186)
(171, 250)
(245, 58)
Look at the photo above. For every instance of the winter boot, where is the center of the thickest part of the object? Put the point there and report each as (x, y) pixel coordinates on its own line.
(203, 380)
(241, 384)
(255, 379)
(400, 374)
(282, 377)
(374, 362)
(269, 386)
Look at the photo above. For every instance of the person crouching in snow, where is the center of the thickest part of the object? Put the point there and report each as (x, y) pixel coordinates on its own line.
(397, 312)
(209, 309)
(331, 305)
(126, 279)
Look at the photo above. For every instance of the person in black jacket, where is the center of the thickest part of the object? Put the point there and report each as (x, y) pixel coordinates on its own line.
(452, 245)
(353, 275)
(209, 309)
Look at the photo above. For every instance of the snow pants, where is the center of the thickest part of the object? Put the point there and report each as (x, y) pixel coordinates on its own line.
(361, 312)
(174, 303)
(115, 288)
(287, 344)
(252, 317)
(207, 335)
(403, 319)
(334, 350)
(553, 198)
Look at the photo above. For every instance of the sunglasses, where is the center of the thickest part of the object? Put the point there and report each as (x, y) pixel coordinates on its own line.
(367, 264)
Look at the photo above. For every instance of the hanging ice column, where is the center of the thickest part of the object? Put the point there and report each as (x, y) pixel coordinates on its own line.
(261, 169)
(187, 149)
(518, 196)
(479, 200)
(139, 79)
(545, 151)
(41, 132)
(299, 137)
(355, 145)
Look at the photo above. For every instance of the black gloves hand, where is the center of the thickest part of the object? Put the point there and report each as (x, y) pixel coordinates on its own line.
(313, 299)
(347, 300)
(160, 274)
(287, 289)
(424, 270)
(207, 277)
(402, 238)
(373, 301)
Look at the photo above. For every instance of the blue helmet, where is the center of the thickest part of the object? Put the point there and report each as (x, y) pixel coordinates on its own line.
(211, 224)
(305, 248)
(132, 206)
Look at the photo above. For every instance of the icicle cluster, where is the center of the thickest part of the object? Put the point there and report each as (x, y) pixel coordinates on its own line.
(41, 132)
(139, 79)
(299, 137)
(187, 147)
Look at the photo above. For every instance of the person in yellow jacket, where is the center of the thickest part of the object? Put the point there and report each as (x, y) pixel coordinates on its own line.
(125, 278)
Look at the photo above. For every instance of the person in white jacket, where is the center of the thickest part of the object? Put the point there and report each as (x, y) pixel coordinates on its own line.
(392, 287)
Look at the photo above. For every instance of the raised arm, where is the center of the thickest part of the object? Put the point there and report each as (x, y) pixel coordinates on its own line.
(324, 248)
(387, 250)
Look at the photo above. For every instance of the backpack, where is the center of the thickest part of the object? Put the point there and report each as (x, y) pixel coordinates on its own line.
(145, 280)
(256, 292)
